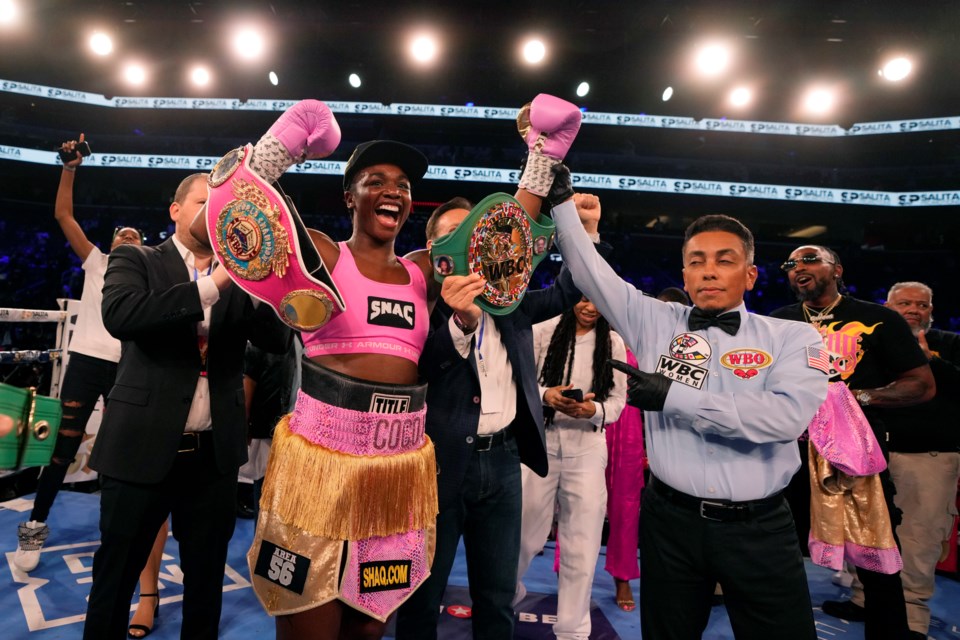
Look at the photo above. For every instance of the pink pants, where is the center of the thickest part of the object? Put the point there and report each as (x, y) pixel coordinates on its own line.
(625, 463)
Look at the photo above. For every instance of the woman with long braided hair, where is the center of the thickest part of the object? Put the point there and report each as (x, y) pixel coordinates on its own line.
(581, 394)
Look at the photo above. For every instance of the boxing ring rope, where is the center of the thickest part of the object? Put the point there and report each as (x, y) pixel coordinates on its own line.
(54, 355)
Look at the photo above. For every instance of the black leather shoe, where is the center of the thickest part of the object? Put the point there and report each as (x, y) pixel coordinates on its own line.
(244, 511)
(845, 610)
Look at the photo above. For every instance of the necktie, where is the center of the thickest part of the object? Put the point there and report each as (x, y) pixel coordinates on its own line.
(699, 319)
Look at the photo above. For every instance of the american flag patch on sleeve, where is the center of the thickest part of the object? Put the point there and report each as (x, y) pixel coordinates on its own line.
(818, 358)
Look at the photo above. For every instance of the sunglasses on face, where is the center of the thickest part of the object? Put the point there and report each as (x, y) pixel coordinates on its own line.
(791, 264)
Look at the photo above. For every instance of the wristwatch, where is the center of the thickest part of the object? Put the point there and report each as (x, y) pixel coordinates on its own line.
(863, 397)
(460, 325)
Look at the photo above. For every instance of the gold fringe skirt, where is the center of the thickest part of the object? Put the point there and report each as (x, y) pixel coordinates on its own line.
(348, 510)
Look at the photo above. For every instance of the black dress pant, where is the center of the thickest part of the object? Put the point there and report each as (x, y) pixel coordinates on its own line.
(884, 605)
(756, 561)
(203, 506)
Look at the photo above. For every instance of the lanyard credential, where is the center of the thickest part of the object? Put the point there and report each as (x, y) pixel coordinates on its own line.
(196, 274)
(480, 363)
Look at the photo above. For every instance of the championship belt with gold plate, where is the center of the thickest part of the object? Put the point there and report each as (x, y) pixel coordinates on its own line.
(501, 242)
(259, 238)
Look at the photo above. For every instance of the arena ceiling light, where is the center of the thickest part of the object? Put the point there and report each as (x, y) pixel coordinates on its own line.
(583, 89)
(712, 59)
(740, 97)
(9, 13)
(896, 69)
(819, 101)
(534, 51)
(354, 81)
(249, 43)
(135, 73)
(667, 94)
(101, 44)
(424, 48)
(200, 76)
(273, 78)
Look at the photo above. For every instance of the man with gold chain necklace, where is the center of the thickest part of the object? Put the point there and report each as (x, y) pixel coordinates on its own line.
(871, 351)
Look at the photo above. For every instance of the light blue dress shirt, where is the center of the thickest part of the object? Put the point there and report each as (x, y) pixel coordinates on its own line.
(737, 404)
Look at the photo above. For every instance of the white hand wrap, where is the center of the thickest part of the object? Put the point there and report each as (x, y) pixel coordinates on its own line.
(537, 175)
(270, 158)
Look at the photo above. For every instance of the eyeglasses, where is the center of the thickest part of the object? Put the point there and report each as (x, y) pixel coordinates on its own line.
(791, 264)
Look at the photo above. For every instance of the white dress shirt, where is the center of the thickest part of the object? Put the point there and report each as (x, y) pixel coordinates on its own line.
(498, 391)
(199, 417)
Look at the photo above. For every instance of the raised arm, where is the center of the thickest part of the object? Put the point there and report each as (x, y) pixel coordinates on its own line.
(305, 131)
(548, 125)
(63, 209)
(622, 304)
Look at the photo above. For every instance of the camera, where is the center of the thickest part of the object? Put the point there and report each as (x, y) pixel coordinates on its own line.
(81, 148)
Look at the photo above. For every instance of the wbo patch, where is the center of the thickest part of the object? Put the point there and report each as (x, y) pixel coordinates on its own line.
(384, 575)
(746, 363)
(682, 372)
(690, 346)
(282, 567)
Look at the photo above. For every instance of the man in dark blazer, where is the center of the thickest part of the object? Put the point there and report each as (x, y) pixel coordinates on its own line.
(174, 436)
(485, 417)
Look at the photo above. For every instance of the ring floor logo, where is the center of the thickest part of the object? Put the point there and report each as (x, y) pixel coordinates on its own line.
(534, 618)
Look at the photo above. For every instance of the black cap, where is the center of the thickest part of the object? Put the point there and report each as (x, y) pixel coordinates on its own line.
(412, 162)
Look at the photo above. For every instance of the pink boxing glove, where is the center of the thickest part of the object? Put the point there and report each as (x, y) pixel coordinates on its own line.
(549, 125)
(307, 130)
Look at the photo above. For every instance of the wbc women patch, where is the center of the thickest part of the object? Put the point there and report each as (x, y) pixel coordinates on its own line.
(746, 363)
(684, 353)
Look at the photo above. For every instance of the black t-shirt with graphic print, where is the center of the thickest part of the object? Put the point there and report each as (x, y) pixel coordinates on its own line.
(870, 346)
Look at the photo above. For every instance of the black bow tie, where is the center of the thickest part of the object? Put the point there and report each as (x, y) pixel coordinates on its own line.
(699, 319)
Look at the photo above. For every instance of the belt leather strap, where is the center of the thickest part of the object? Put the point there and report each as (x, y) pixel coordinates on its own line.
(718, 510)
(486, 442)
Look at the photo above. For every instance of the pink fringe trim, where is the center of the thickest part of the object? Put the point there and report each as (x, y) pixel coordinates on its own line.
(831, 556)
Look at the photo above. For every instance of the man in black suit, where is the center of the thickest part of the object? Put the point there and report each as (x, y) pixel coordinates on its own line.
(485, 417)
(174, 436)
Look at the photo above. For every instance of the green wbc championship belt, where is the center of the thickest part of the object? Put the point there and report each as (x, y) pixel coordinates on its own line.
(499, 241)
(36, 420)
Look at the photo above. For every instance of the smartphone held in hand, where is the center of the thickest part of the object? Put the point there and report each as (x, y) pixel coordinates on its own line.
(81, 149)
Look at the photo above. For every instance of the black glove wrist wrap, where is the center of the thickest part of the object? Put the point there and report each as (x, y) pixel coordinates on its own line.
(646, 391)
(562, 188)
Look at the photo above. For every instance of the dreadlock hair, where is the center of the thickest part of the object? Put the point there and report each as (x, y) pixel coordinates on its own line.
(558, 364)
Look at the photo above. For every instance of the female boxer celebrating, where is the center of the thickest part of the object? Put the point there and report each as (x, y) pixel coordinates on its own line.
(349, 499)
